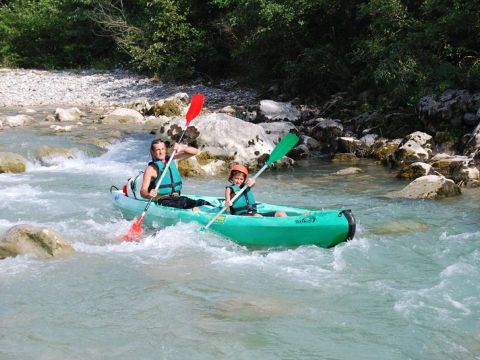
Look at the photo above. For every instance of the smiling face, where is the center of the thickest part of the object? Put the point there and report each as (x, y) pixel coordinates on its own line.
(158, 151)
(238, 178)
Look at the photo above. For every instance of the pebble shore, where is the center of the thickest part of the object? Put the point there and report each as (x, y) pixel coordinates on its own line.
(21, 87)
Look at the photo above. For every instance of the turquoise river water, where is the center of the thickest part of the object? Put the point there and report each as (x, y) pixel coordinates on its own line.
(405, 288)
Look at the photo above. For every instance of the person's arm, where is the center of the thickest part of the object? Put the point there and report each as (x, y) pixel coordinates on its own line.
(150, 174)
(227, 198)
(184, 151)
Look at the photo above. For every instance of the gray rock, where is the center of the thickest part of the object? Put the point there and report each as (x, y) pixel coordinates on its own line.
(349, 171)
(428, 187)
(274, 111)
(471, 119)
(28, 239)
(12, 163)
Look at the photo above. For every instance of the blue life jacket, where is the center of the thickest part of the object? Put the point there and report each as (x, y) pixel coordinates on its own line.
(244, 204)
(172, 181)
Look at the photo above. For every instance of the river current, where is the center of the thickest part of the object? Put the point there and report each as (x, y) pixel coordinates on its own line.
(406, 287)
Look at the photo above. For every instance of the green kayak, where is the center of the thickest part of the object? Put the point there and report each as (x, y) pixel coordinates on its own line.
(324, 228)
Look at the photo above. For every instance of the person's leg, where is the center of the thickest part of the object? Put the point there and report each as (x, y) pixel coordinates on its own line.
(179, 202)
(280, 214)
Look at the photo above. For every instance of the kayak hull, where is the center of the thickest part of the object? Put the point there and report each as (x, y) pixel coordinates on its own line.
(323, 228)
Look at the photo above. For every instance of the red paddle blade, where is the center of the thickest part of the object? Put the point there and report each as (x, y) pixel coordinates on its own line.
(135, 231)
(195, 107)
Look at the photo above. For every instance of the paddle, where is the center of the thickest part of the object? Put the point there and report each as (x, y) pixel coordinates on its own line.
(195, 107)
(282, 148)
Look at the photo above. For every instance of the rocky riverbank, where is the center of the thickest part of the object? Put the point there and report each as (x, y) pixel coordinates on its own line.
(83, 88)
(439, 143)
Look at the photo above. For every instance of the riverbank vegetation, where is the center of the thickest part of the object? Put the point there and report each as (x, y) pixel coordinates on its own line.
(394, 49)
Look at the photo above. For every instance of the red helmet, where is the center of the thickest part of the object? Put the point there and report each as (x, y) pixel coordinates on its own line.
(240, 168)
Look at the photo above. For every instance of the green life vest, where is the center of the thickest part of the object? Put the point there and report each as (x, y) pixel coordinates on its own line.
(245, 202)
(172, 181)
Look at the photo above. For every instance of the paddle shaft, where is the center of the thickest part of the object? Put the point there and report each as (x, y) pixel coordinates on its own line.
(164, 172)
(236, 196)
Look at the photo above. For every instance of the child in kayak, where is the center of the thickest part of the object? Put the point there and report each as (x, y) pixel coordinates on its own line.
(245, 204)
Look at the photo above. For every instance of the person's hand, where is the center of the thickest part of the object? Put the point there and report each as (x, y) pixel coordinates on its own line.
(250, 182)
(178, 147)
(228, 203)
(153, 193)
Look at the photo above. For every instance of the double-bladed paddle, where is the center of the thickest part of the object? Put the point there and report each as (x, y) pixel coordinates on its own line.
(195, 107)
(282, 148)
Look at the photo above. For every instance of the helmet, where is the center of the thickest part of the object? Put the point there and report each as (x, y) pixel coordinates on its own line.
(240, 168)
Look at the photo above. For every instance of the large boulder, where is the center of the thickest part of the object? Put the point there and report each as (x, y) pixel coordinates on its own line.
(223, 136)
(428, 187)
(12, 163)
(277, 130)
(27, 239)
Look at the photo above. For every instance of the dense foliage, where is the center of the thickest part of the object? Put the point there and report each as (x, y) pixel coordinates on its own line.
(311, 48)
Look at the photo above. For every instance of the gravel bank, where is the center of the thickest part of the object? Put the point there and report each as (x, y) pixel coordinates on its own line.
(19, 87)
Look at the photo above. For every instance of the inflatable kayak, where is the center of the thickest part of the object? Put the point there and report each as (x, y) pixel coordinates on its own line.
(324, 228)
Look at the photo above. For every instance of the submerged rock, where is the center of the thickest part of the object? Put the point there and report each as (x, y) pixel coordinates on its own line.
(27, 239)
(49, 155)
(349, 171)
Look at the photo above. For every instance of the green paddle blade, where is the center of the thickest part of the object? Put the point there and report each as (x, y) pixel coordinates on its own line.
(282, 148)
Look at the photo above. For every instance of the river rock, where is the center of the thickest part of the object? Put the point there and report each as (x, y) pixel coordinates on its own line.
(62, 129)
(277, 130)
(278, 111)
(349, 171)
(369, 139)
(50, 155)
(351, 145)
(18, 120)
(407, 153)
(451, 166)
(223, 136)
(344, 157)
(123, 116)
(27, 239)
(70, 114)
(299, 152)
(415, 170)
(382, 149)
(428, 187)
(12, 163)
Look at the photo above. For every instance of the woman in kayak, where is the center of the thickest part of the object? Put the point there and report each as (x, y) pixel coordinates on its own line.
(245, 204)
(169, 191)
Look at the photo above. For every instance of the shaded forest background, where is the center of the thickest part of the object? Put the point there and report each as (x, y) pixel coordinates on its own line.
(395, 49)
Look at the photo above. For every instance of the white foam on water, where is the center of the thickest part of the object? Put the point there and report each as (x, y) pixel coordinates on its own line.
(21, 264)
(458, 305)
(164, 242)
(457, 269)
(110, 163)
(462, 236)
